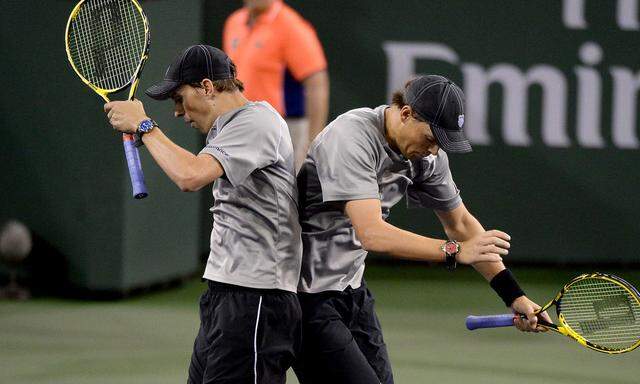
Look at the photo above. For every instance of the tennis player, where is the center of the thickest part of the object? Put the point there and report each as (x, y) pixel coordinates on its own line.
(358, 167)
(249, 315)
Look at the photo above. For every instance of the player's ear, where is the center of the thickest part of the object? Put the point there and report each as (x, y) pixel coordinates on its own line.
(405, 113)
(209, 88)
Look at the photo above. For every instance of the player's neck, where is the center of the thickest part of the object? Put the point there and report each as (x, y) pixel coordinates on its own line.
(392, 125)
(224, 102)
(228, 101)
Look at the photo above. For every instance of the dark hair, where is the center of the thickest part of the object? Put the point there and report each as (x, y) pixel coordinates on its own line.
(226, 85)
(397, 99)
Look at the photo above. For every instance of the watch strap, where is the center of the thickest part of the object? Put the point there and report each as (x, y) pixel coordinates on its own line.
(451, 249)
(137, 140)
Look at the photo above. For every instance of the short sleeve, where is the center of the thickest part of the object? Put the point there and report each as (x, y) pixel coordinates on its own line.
(345, 162)
(303, 52)
(246, 143)
(434, 188)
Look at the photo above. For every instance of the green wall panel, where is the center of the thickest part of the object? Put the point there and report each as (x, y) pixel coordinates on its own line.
(559, 177)
(63, 170)
(565, 192)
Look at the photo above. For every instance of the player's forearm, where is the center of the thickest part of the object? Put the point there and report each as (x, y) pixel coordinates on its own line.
(316, 89)
(469, 227)
(489, 270)
(386, 238)
(175, 161)
(465, 229)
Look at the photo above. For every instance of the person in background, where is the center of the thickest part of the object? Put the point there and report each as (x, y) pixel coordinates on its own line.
(281, 61)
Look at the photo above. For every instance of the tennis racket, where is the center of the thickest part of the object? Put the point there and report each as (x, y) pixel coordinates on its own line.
(107, 45)
(599, 311)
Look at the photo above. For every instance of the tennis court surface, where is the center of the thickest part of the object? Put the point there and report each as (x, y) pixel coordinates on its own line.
(148, 339)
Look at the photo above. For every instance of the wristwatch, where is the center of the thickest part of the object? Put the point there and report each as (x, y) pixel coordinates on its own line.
(145, 126)
(451, 249)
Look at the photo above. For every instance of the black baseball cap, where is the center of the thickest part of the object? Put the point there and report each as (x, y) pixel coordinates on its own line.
(439, 102)
(194, 64)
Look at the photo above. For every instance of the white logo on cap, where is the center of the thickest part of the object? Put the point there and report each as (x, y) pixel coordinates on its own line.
(460, 121)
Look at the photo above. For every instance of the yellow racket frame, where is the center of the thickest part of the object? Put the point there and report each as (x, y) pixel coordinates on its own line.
(143, 58)
(564, 329)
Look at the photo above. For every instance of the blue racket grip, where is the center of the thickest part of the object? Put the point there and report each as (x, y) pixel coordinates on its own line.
(135, 168)
(494, 321)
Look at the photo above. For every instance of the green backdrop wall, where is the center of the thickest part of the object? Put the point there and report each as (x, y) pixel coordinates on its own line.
(552, 100)
(551, 108)
(63, 170)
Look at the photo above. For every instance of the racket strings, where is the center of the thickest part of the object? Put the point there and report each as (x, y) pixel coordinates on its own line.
(603, 312)
(124, 61)
(118, 36)
(107, 39)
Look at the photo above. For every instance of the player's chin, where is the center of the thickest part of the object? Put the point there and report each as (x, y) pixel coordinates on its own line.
(195, 126)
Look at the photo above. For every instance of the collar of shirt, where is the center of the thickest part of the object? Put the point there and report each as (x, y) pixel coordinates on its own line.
(223, 119)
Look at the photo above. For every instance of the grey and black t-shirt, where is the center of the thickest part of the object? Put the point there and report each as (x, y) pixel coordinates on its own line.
(255, 241)
(351, 160)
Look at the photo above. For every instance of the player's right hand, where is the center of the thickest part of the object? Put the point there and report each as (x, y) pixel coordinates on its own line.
(125, 115)
(487, 246)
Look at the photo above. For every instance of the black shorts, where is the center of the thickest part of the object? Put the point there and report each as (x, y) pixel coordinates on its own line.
(246, 335)
(342, 339)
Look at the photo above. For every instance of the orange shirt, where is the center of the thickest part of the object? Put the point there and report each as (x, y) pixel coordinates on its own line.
(279, 40)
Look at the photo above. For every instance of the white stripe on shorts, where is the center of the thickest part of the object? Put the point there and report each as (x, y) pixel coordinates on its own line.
(255, 345)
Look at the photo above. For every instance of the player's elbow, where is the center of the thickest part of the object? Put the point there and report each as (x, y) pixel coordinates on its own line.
(189, 184)
(369, 244)
(200, 172)
(186, 188)
(372, 239)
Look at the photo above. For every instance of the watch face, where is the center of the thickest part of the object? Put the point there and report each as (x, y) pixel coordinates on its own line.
(146, 125)
(451, 247)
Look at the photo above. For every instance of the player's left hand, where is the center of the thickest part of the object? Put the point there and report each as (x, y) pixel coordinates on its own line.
(125, 116)
(522, 305)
